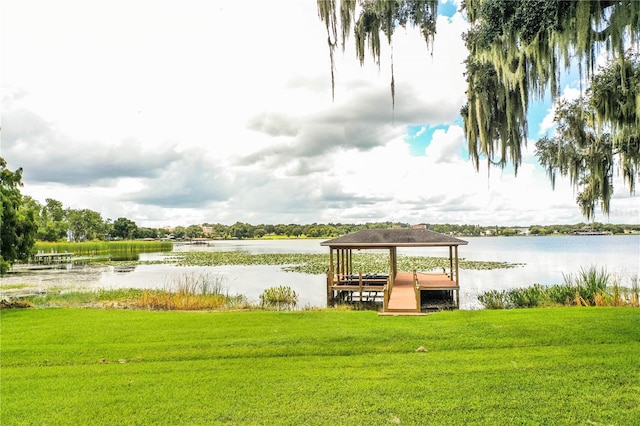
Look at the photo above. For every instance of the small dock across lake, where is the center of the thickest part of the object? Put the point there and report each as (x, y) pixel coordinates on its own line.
(47, 258)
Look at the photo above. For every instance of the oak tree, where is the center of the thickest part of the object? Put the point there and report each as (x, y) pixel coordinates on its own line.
(517, 51)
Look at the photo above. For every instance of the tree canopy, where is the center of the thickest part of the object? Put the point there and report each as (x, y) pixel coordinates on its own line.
(588, 147)
(17, 223)
(374, 18)
(517, 51)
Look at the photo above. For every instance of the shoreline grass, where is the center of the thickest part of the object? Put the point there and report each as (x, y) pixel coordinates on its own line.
(537, 366)
(102, 247)
(588, 287)
(190, 292)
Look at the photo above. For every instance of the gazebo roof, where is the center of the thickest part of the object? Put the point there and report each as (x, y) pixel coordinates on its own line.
(393, 238)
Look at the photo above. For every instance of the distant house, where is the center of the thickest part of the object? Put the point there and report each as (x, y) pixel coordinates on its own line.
(589, 231)
(521, 230)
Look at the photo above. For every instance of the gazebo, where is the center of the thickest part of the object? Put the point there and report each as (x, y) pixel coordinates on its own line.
(399, 291)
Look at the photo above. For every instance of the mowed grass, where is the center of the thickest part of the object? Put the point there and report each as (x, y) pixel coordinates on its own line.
(535, 366)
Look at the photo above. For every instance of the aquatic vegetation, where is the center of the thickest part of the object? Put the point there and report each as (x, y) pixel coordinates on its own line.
(493, 299)
(588, 283)
(560, 294)
(281, 298)
(634, 291)
(190, 292)
(589, 287)
(316, 263)
(104, 247)
(185, 292)
(86, 298)
(4, 286)
(528, 297)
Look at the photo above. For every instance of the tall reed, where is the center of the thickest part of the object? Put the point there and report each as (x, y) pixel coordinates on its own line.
(191, 292)
(635, 291)
(588, 284)
(588, 287)
(103, 247)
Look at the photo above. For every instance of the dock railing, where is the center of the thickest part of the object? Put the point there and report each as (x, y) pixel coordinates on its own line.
(385, 297)
(416, 288)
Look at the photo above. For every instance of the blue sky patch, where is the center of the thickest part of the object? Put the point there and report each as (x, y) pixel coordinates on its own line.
(419, 138)
(447, 9)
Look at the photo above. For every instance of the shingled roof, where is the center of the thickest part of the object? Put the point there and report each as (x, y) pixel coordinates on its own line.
(394, 238)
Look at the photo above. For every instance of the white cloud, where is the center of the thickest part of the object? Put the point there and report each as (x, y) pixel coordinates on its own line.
(446, 145)
(183, 112)
(547, 124)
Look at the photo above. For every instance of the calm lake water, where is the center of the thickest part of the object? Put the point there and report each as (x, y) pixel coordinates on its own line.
(545, 260)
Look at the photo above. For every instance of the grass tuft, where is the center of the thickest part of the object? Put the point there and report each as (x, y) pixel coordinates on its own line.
(281, 298)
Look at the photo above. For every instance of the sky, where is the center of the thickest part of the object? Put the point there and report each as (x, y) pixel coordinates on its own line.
(182, 112)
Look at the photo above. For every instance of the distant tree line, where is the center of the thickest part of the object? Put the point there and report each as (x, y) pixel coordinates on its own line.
(23, 220)
(54, 222)
(240, 230)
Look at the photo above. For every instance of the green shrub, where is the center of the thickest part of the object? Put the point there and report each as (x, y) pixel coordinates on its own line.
(527, 297)
(561, 294)
(281, 298)
(494, 299)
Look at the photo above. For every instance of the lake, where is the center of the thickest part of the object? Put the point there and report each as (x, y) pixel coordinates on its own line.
(545, 261)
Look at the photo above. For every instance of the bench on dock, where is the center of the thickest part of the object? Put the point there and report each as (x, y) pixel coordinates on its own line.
(370, 285)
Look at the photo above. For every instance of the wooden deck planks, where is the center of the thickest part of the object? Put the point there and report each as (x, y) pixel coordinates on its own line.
(436, 282)
(403, 295)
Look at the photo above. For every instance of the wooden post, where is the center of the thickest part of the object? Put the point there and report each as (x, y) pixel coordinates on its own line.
(331, 268)
(385, 297)
(457, 280)
(392, 267)
(360, 282)
(329, 291)
(451, 262)
(416, 288)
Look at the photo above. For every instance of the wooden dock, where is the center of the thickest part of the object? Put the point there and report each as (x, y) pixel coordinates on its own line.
(405, 296)
(407, 293)
(46, 258)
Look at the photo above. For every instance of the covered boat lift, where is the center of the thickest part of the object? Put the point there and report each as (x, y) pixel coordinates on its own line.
(399, 291)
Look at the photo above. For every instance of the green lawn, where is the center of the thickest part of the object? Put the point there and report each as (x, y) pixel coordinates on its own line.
(534, 366)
